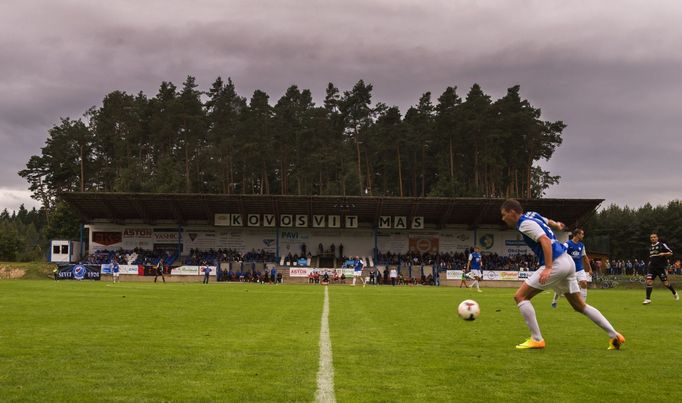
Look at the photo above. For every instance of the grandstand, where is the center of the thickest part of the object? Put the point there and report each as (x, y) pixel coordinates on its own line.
(295, 235)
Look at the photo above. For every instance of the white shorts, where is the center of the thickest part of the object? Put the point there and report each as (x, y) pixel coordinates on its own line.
(475, 273)
(581, 275)
(357, 274)
(116, 274)
(562, 279)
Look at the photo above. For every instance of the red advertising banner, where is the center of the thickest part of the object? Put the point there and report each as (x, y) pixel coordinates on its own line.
(106, 238)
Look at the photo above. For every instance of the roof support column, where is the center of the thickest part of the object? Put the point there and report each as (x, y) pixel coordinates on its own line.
(277, 242)
(179, 249)
(82, 245)
(375, 251)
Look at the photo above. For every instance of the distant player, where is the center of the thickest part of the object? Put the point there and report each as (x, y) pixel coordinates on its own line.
(115, 271)
(658, 263)
(556, 271)
(207, 272)
(474, 265)
(158, 271)
(463, 282)
(357, 270)
(576, 249)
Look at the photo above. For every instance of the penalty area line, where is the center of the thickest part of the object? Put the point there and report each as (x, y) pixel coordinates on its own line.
(325, 373)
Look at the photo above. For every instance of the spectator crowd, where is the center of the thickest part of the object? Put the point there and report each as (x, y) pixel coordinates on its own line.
(458, 260)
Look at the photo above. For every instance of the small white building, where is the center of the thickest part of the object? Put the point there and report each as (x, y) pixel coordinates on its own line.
(62, 251)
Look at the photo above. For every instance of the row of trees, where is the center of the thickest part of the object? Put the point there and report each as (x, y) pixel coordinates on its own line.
(21, 235)
(187, 140)
(624, 232)
(25, 234)
(217, 141)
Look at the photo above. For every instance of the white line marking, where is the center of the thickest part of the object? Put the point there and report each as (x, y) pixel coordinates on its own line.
(325, 374)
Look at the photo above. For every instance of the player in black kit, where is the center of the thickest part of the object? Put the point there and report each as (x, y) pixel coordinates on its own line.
(658, 262)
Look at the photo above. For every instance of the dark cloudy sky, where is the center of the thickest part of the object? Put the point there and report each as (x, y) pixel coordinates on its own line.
(611, 70)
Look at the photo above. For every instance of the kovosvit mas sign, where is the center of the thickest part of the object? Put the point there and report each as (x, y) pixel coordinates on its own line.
(314, 221)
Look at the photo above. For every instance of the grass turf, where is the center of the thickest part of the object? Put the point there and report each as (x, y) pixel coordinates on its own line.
(82, 341)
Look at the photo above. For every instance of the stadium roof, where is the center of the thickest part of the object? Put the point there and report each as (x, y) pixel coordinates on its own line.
(150, 208)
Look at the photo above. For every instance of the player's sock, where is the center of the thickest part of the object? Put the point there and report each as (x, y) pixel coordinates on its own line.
(583, 292)
(599, 319)
(556, 298)
(649, 288)
(670, 287)
(477, 287)
(528, 313)
(354, 280)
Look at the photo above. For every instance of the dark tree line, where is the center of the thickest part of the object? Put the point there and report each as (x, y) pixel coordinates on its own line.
(623, 232)
(21, 235)
(25, 234)
(216, 141)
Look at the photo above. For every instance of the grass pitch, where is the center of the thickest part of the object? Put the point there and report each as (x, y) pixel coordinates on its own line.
(85, 341)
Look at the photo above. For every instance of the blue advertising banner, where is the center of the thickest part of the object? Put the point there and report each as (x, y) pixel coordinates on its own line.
(79, 272)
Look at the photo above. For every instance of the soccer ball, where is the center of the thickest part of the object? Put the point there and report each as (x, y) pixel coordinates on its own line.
(469, 309)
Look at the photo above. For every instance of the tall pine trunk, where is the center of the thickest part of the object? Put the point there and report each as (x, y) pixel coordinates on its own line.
(187, 180)
(452, 161)
(423, 173)
(400, 170)
(82, 168)
(529, 169)
(225, 173)
(357, 150)
(369, 174)
(283, 174)
(266, 179)
(476, 174)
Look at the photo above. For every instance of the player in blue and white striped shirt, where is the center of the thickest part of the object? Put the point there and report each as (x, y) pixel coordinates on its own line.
(358, 265)
(474, 267)
(576, 249)
(556, 271)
